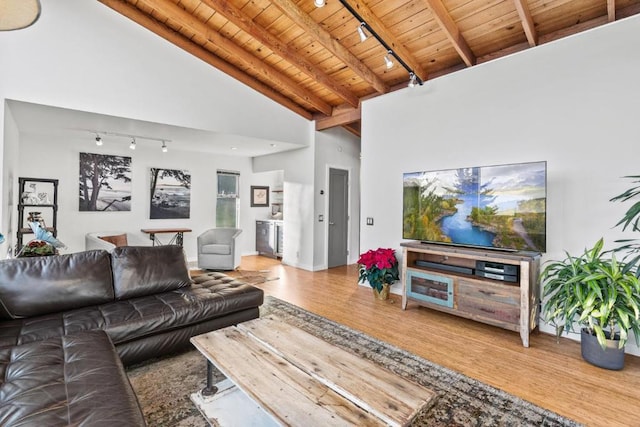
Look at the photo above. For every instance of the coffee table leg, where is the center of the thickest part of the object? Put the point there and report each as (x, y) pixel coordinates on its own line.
(210, 389)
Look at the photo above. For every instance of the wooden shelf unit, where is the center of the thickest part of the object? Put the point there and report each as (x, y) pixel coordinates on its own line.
(277, 201)
(48, 184)
(509, 305)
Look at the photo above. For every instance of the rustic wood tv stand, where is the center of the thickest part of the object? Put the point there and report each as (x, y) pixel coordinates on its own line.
(444, 278)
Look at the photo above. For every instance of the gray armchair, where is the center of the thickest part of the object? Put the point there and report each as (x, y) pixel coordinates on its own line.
(217, 249)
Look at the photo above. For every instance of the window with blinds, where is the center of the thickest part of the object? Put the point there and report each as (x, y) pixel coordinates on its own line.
(228, 200)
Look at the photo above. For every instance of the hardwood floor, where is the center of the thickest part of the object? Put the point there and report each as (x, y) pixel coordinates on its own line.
(550, 374)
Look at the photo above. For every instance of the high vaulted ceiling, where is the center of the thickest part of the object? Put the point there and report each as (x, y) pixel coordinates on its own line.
(311, 59)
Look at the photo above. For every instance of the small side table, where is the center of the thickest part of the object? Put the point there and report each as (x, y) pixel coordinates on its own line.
(176, 239)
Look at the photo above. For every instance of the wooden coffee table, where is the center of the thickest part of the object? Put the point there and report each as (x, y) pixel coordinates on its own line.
(295, 378)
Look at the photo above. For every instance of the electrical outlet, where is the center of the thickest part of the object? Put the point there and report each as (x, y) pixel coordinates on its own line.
(369, 221)
(320, 218)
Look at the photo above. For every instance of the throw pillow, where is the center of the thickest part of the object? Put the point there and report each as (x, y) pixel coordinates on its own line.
(148, 270)
(118, 240)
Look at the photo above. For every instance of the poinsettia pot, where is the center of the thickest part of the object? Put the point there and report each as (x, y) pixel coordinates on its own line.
(378, 267)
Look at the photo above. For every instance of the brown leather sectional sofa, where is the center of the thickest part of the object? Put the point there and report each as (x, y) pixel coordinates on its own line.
(69, 323)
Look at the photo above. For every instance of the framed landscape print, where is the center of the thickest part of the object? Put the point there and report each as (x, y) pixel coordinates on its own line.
(105, 183)
(259, 196)
(170, 194)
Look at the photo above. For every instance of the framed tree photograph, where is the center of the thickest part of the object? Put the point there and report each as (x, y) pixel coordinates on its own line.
(105, 183)
(170, 193)
(259, 196)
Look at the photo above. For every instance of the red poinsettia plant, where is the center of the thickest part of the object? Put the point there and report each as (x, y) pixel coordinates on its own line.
(378, 266)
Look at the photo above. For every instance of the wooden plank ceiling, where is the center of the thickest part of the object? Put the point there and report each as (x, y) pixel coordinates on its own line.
(311, 59)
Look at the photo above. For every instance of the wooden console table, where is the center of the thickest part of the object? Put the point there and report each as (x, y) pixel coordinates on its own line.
(177, 239)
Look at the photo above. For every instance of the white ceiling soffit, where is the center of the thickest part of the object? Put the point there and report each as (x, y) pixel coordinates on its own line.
(37, 119)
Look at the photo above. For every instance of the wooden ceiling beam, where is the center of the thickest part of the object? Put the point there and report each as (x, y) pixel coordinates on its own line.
(134, 14)
(354, 128)
(340, 117)
(452, 31)
(527, 21)
(633, 9)
(323, 37)
(269, 73)
(611, 10)
(246, 24)
(628, 11)
(376, 24)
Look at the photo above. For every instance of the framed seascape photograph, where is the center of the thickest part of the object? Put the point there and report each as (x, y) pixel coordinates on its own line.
(105, 183)
(259, 196)
(170, 194)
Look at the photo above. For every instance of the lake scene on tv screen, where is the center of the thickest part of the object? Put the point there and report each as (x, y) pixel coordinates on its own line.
(501, 207)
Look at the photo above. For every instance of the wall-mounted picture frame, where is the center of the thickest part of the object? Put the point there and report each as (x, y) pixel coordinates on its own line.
(259, 196)
(170, 193)
(105, 183)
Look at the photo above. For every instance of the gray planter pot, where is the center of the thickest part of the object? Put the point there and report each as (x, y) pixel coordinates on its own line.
(610, 358)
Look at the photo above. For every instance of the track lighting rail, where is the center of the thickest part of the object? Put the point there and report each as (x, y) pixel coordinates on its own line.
(100, 134)
(414, 78)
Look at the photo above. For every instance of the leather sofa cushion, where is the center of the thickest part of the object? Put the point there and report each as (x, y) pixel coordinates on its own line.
(118, 240)
(215, 249)
(132, 319)
(39, 285)
(148, 270)
(71, 380)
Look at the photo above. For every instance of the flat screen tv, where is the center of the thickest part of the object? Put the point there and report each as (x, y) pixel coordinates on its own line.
(499, 207)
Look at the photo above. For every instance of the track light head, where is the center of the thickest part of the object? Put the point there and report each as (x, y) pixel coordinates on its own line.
(387, 60)
(98, 140)
(318, 3)
(361, 33)
(164, 147)
(133, 144)
(412, 80)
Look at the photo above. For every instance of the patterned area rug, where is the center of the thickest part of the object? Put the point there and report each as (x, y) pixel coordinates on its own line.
(253, 277)
(163, 385)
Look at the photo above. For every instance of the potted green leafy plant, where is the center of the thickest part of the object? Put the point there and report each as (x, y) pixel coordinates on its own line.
(36, 248)
(380, 268)
(598, 293)
(630, 219)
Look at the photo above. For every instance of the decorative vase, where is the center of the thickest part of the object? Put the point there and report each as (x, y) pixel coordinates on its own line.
(610, 358)
(382, 294)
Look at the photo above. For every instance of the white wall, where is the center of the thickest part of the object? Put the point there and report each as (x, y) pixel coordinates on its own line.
(275, 181)
(336, 148)
(43, 158)
(573, 103)
(298, 186)
(9, 179)
(82, 55)
(305, 173)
